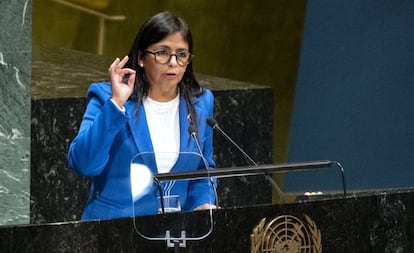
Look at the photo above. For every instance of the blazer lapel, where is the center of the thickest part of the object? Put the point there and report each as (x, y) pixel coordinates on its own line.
(140, 132)
(187, 144)
(185, 139)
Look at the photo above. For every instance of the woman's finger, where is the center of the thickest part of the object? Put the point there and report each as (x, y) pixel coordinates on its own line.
(127, 71)
(122, 63)
(113, 65)
(131, 80)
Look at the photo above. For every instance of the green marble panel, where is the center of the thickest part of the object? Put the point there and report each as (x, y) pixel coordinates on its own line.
(15, 75)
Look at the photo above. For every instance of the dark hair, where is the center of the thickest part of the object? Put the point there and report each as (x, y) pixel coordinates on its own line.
(152, 31)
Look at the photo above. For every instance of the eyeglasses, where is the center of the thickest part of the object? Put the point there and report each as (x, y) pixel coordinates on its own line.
(164, 56)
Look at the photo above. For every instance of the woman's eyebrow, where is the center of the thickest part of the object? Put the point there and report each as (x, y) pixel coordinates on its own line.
(169, 48)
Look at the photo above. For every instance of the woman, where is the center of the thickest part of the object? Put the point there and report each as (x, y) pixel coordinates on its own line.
(150, 102)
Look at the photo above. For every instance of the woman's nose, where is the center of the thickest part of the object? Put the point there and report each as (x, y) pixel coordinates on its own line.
(173, 60)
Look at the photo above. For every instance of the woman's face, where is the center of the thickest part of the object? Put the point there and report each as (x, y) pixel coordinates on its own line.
(164, 78)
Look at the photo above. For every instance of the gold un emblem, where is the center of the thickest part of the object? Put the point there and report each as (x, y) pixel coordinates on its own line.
(286, 234)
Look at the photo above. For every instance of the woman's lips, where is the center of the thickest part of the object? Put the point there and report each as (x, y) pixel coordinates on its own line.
(170, 75)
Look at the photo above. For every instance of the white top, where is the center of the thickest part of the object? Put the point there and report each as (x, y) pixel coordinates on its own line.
(164, 128)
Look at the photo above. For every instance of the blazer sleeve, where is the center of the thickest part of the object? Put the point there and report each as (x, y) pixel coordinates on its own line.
(89, 152)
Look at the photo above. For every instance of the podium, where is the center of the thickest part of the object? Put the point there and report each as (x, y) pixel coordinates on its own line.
(360, 222)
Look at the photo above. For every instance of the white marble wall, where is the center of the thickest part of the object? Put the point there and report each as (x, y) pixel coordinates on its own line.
(15, 76)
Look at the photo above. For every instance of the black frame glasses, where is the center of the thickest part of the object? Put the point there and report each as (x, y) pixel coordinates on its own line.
(164, 57)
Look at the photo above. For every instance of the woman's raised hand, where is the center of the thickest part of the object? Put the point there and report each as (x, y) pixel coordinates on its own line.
(120, 90)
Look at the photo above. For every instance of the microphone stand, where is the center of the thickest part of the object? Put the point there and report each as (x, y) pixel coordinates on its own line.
(267, 176)
(214, 124)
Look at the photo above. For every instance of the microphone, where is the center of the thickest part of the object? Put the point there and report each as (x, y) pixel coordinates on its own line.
(192, 130)
(214, 124)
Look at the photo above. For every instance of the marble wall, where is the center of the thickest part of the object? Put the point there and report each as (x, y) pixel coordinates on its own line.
(15, 76)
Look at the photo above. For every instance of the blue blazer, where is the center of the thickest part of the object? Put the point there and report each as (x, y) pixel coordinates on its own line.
(109, 139)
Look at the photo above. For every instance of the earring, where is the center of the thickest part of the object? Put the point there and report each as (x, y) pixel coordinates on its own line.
(141, 65)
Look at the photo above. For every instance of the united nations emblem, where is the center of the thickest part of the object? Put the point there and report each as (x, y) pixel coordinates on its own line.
(287, 234)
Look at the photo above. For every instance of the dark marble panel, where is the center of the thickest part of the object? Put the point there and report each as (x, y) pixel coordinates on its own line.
(247, 117)
(15, 72)
(75, 237)
(375, 222)
(57, 193)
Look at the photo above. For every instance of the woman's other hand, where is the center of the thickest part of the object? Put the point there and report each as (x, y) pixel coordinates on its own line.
(120, 90)
(205, 207)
